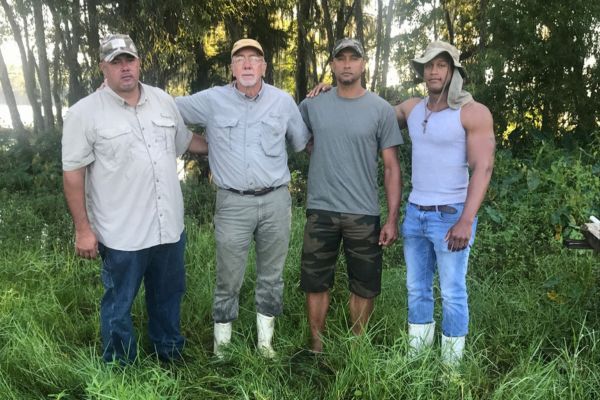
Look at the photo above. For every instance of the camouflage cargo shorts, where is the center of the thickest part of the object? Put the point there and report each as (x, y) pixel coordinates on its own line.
(323, 232)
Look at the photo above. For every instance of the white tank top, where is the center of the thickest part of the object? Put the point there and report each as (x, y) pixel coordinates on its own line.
(440, 173)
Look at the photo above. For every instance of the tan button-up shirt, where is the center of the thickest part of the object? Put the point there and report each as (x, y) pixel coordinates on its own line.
(133, 195)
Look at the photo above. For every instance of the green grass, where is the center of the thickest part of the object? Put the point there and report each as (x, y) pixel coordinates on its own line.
(534, 331)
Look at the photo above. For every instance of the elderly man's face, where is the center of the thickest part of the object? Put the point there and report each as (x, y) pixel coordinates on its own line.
(437, 73)
(248, 67)
(122, 74)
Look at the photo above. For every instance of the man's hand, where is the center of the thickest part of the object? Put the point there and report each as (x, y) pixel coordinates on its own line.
(458, 235)
(388, 234)
(321, 87)
(86, 244)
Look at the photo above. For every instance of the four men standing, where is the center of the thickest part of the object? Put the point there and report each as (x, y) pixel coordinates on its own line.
(119, 149)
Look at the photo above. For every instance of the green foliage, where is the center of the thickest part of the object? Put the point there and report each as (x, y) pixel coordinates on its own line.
(534, 308)
(30, 163)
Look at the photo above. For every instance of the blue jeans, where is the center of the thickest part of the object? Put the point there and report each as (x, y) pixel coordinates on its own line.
(426, 251)
(239, 219)
(162, 270)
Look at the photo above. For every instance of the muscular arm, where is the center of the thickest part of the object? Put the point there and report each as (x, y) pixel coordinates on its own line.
(478, 123)
(403, 111)
(392, 181)
(86, 243)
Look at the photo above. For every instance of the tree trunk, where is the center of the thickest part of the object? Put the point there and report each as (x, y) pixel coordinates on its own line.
(200, 80)
(448, 20)
(57, 79)
(378, 38)
(71, 40)
(93, 40)
(385, 51)
(301, 49)
(360, 33)
(44, 73)
(28, 69)
(10, 97)
(328, 26)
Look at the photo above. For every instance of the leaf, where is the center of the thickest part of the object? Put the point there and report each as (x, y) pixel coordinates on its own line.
(533, 180)
(494, 214)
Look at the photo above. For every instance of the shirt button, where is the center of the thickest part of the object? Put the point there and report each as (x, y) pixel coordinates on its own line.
(157, 180)
(149, 146)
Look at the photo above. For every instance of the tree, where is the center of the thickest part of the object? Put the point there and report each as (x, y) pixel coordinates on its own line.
(27, 63)
(9, 96)
(302, 48)
(44, 72)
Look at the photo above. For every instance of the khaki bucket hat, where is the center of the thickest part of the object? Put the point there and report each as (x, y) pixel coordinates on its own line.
(433, 50)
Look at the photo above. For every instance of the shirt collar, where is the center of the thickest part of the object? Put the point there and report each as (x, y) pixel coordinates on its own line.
(121, 101)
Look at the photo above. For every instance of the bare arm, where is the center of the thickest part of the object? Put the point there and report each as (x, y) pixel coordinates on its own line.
(86, 243)
(198, 145)
(481, 144)
(403, 110)
(392, 181)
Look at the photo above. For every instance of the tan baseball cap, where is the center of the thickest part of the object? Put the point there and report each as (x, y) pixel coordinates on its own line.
(240, 44)
(115, 44)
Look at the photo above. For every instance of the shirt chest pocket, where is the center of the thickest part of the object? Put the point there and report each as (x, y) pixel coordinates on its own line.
(222, 134)
(114, 143)
(163, 133)
(272, 135)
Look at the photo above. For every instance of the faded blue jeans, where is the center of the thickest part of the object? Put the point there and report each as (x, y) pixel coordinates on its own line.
(426, 251)
(162, 270)
(239, 219)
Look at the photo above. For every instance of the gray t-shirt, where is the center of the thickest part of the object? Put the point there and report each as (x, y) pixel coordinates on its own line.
(348, 136)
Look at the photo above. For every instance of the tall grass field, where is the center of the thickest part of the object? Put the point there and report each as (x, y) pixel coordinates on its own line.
(535, 306)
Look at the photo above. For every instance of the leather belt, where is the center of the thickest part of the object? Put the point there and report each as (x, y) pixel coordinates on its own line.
(258, 192)
(441, 208)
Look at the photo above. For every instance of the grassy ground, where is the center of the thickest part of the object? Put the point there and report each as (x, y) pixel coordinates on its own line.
(534, 333)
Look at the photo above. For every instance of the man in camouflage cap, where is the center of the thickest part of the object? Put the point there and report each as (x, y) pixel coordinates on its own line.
(119, 152)
(351, 128)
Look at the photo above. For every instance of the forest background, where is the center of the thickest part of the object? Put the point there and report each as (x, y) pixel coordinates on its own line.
(534, 304)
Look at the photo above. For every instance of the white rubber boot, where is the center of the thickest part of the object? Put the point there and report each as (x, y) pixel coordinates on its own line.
(452, 349)
(222, 337)
(419, 337)
(265, 326)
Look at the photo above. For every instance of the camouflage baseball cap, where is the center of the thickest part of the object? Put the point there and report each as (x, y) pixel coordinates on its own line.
(347, 43)
(115, 44)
